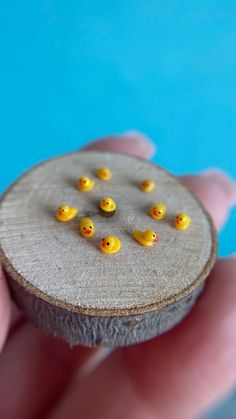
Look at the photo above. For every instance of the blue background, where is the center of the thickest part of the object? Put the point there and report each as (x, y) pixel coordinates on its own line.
(75, 70)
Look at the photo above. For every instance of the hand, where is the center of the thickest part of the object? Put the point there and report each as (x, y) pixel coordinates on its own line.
(176, 375)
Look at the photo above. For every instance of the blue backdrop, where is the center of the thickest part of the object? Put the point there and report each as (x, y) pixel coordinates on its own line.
(75, 70)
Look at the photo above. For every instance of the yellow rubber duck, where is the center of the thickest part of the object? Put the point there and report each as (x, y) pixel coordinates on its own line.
(146, 238)
(85, 184)
(107, 207)
(182, 221)
(104, 173)
(66, 213)
(86, 227)
(147, 185)
(110, 244)
(158, 211)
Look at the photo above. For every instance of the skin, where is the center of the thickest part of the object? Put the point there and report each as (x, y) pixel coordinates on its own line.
(178, 375)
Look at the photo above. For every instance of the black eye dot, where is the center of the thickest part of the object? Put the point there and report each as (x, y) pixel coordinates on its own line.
(90, 227)
(153, 235)
(181, 219)
(84, 228)
(108, 243)
(107, 203)
(159, 212)
(84, 181)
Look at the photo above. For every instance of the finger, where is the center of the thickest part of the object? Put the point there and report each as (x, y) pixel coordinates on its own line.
(216, 191)
(34, 370)
(5, 311)
(177, 375)
(131, 142)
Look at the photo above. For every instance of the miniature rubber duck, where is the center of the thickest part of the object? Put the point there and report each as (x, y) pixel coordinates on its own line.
(158, 211)
(86, 227)
(147, 185)
(85, 184)
(66, 213)
(146, 238)
(110, 244)
(107, 207)
(104, 173)
(182, 221)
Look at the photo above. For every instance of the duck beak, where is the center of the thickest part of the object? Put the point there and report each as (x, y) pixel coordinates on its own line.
(87, 231)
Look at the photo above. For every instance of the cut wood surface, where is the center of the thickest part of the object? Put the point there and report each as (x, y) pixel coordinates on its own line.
(53, 269)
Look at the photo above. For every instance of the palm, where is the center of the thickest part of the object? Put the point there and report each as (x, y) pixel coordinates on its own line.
(174, 376)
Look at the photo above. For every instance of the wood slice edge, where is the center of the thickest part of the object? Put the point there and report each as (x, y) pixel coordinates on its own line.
(95, 331)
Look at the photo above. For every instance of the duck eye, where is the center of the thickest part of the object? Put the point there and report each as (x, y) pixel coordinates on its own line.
(181, 219)
(90, 227)
(153, 235)
(108, 243)
(84, 181)
(159, 212)
(84, 228)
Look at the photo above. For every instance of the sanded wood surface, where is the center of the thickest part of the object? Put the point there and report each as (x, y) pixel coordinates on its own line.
(53, 263)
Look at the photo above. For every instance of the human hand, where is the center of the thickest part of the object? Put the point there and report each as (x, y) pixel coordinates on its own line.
(176, 375)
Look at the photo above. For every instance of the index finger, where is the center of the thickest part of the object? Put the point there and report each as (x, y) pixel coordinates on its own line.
(4, 309)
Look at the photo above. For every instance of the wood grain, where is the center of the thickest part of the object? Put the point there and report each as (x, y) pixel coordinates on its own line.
(64, 282)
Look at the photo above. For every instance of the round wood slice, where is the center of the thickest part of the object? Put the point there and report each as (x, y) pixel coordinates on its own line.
(67, 286)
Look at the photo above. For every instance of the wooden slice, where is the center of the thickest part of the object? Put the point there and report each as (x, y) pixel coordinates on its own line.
(67, 286)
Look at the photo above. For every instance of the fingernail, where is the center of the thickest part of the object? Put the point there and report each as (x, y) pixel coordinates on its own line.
(142, 142)
(225, 181)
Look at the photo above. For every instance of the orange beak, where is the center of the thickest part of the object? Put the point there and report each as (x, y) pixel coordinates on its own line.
(88, 231)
